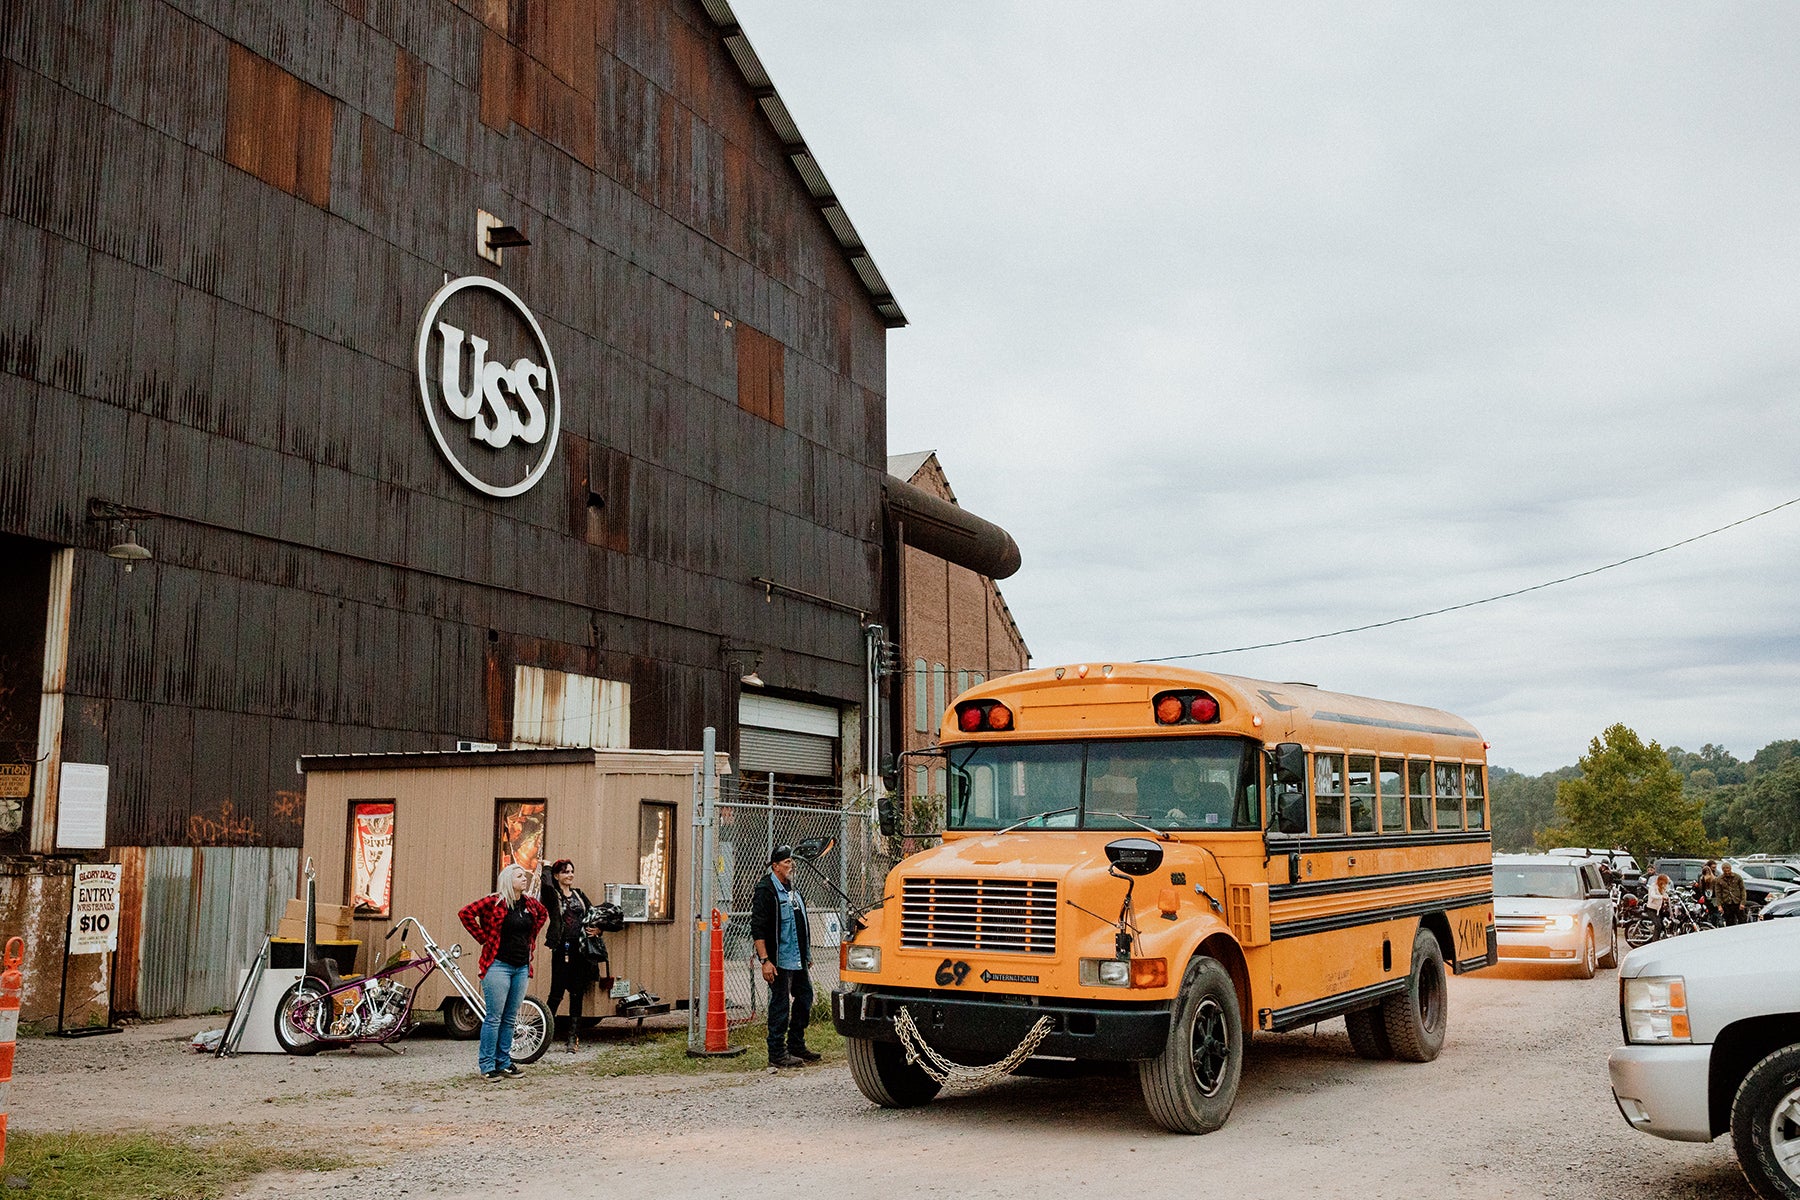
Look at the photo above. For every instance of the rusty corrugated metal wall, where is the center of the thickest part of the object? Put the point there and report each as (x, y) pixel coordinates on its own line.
(223, 222)
(206, 910)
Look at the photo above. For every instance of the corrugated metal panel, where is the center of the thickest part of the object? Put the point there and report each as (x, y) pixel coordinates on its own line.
(205, 913)
(168, 899)
(785, 751)
(50, 709)
(557, 708)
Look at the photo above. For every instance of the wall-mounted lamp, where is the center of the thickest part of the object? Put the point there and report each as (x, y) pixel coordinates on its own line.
(746, 660)
(492, 235)
(125, 546)
(122, 542)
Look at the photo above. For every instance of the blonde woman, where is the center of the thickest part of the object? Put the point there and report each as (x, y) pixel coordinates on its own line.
(506, 923)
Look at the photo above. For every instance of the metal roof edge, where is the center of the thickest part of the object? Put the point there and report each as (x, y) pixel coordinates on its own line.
(806, 166)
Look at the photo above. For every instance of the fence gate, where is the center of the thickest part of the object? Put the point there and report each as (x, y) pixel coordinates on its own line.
(750, 824)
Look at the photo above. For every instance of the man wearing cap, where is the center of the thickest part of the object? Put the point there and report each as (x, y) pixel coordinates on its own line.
(784, 949)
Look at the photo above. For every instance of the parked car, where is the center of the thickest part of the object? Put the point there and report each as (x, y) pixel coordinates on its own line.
(1712, 1043)
(1767, 868)
(1757, 892)
(1620, 860)
(1786, 906)
(1552, 909)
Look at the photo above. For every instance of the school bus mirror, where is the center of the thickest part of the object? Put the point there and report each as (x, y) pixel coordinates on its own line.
(1290, 763)
(1134, 856)
(887, 811)
(812, 849)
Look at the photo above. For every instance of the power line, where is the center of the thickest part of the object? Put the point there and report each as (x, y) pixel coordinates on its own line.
(1536, 587)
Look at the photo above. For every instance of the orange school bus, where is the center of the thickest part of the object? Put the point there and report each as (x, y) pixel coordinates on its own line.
(1147, 864)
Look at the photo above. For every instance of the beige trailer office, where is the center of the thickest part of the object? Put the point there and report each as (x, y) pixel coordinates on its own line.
(422, 834)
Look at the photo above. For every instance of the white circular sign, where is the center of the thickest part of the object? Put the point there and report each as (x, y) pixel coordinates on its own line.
(493, 379)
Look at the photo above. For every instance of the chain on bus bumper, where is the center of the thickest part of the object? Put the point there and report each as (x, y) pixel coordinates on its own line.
(977, 1030)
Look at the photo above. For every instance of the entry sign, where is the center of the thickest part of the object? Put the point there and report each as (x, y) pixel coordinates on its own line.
(94, 917)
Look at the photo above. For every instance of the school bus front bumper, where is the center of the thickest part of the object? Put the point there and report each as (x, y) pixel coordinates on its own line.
(982, 1029)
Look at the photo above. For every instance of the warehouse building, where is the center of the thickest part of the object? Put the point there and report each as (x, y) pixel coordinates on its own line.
(380, 376)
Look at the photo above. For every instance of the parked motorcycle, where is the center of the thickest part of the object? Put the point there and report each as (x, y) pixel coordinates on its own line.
(317, 1014)
(1678, 917)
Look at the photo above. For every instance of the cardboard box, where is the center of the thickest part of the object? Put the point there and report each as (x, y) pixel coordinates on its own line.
(334, 915)
(295, 928)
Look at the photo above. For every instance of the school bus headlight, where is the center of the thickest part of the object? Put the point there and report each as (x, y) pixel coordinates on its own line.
(863, 958)
(1105, 972)
(1655, 1009)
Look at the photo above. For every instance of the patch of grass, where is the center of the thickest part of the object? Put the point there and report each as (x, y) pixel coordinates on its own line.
(144, 1166)
(666, 1053)
(313, 1097)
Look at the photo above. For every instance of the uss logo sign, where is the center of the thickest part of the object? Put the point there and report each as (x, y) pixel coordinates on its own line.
(488, 383)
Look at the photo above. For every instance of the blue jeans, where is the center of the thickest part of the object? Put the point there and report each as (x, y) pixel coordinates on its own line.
(502, 991)
(790, 1007)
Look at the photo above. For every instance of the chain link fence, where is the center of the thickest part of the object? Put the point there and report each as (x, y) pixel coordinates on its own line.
(751, 821)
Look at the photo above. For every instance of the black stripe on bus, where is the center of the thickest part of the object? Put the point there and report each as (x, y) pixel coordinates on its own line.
(1328, 843)
(1383, 723)
(1368, 883)
(1279, 1019)
(1373, 916)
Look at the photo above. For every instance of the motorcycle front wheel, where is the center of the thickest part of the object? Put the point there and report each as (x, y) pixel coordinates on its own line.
(532, 1033)
(303, 1011)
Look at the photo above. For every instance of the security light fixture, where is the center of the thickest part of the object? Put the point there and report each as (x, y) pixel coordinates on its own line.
(122, 542)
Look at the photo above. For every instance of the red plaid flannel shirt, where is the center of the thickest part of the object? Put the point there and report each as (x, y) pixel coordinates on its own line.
(483, 919)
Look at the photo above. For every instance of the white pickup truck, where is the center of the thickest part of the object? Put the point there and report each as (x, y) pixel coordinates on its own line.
(1712, 1043)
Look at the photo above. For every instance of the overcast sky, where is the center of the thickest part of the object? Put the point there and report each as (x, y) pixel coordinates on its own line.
(1254, 322)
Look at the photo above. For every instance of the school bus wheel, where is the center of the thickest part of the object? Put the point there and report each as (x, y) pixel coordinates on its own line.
(1191, 1086)
(1368, 1033)
(885, 1077)
(1416, 1018)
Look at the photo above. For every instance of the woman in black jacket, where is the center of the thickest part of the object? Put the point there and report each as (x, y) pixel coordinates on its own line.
(570, 969)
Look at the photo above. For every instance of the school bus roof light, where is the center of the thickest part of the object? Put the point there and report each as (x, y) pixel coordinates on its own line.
(976, 715)
(1185, 708)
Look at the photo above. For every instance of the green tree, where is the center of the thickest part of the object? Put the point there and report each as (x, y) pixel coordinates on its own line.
(1767, 817)
(1629, 794)
(1712, 766)
(1772, 756)
(1726, 811)
(1521, 805)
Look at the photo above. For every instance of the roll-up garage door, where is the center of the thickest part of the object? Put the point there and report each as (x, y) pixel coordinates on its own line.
(787, 736)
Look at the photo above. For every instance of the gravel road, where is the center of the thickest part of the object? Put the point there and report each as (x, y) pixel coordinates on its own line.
(1517, 1106)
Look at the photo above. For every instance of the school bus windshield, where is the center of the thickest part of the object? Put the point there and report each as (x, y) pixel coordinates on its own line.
(1166, 783)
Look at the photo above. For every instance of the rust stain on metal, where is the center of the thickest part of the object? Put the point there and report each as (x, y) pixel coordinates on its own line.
(278, 128)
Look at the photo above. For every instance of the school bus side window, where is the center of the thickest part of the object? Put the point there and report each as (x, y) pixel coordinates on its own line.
(1328, 793)
(1392, 779)
(1418, 789)
(1449, 796)
(1362, 793)
(1477, 797)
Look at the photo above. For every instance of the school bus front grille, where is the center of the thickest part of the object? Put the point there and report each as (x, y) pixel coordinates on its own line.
(1007, 916)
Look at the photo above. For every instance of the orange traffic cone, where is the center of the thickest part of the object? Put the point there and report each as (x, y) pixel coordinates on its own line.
(12, 982)
(716, 1030)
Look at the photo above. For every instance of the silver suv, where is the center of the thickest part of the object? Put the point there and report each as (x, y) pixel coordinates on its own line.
(1552, 910)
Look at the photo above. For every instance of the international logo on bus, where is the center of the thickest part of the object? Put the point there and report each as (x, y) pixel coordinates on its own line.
(488, 383)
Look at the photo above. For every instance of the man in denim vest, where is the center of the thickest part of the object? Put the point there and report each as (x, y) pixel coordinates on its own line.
(784, 949)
